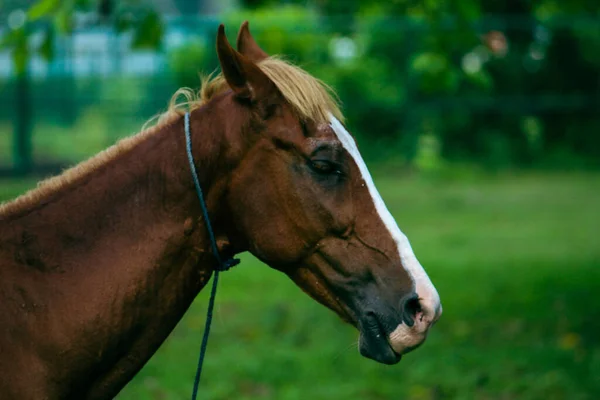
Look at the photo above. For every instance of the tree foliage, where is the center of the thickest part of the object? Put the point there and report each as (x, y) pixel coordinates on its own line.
(499, 82)
(59, 17)
(509, 82)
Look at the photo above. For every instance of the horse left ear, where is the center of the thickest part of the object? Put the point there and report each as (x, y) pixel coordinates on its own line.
(244, 77)
(248, 46)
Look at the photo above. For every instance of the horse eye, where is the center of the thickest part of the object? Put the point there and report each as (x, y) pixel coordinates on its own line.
(304, 128)
(324, 167)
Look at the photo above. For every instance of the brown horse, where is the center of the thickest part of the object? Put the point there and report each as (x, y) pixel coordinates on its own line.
(98, 265)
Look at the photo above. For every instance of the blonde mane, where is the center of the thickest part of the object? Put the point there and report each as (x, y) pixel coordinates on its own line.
(50, 185)
(312, 100)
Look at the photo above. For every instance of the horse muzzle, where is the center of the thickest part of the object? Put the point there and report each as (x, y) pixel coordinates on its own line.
(385, 337)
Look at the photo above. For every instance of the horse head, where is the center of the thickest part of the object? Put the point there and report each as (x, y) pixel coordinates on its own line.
(302, 200)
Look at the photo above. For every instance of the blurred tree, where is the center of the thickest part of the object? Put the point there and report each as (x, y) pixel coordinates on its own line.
(497, 82)
(544, 56)
(494, 81)
(55, 17)
(187, 7)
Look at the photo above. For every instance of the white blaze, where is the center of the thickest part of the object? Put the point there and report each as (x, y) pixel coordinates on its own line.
(428, 296)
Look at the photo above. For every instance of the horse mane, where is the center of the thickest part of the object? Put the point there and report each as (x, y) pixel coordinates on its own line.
(312, 99)
(70, 175)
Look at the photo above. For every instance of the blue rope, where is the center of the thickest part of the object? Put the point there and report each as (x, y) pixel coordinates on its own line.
(222, 265)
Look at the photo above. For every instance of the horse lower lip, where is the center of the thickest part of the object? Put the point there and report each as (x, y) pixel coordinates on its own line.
(382, 353)
(374, 343)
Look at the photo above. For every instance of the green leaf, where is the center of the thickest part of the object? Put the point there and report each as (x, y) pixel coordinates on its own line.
(43, 8)
(430, 63)
(63, 20)
(123, 22)
(20, 52)
(85, 5)
(148, 33)
(7, 41)
(46, 49)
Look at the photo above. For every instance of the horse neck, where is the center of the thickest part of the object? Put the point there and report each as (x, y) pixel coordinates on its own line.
(144, 196)
(120, 251)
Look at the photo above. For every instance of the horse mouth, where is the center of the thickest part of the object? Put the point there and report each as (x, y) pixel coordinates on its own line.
(374, 343)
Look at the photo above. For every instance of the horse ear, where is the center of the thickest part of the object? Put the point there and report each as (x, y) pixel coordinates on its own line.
(248, 46)
(243, 76)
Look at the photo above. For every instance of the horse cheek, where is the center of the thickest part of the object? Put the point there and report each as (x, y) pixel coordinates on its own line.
(261, 220)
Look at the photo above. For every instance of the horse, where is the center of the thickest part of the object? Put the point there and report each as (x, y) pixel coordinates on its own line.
(98, 264)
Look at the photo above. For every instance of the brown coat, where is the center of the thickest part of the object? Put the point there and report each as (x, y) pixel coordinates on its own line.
(98, 265)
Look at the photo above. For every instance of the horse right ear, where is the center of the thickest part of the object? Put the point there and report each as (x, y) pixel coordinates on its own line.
(245, 78)
(248, 46)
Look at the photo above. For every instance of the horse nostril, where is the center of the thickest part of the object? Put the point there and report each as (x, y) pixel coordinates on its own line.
(410, 306)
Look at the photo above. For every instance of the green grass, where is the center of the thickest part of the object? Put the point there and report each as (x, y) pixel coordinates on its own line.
(516, 260)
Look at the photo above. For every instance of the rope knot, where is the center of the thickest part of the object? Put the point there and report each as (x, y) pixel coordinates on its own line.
(227, 264)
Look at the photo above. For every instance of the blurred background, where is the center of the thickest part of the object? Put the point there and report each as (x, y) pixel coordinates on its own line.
(480, 119)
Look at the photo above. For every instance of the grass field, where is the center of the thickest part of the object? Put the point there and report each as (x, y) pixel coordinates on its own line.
(516, 260)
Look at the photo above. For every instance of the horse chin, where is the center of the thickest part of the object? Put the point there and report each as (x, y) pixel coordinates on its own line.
(374, 344)
(378, 350)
